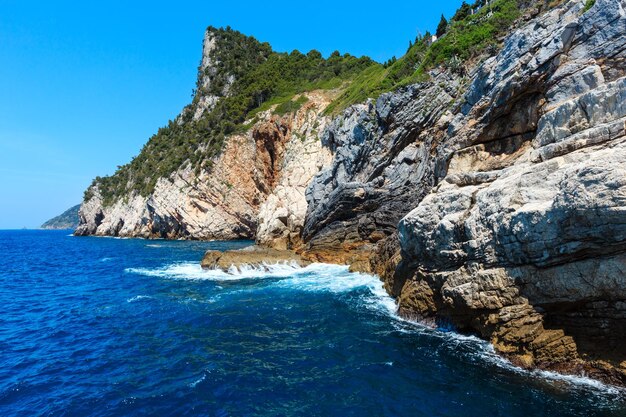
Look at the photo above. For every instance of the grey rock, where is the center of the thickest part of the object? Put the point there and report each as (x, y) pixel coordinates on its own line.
(512, 191)
(382, 159)
(545, 232)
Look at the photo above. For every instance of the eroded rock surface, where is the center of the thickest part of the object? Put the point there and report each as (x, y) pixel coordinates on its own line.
(383, 165)
(224, 203)
(281, 216)
(524, 239)
(510, 189)
(251, 257)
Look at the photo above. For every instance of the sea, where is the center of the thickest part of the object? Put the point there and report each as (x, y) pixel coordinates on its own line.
(93, 326)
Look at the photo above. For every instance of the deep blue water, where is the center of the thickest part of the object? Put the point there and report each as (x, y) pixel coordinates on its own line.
(124, 327)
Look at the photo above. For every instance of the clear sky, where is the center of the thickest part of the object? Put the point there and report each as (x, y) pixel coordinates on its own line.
(83, 85)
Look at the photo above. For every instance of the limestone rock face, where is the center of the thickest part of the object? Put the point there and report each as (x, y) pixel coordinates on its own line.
(224, 203)
(217, 205)
(208, 70)
(509, 187)
(524, 239)
(208, 75)
(382, 166)
(281, 215)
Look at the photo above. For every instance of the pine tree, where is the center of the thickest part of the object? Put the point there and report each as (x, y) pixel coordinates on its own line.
(442, 27)
(463, 11)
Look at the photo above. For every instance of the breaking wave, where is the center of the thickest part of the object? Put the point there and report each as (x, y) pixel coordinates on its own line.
(193, 271)
(338, 279)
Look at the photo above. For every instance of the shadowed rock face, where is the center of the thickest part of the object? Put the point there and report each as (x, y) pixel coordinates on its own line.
(384, 163)
(510, 192)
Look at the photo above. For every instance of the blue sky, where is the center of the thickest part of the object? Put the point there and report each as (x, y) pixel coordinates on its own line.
(83, 86)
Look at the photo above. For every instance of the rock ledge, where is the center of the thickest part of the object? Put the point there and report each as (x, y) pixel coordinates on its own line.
(253, 256)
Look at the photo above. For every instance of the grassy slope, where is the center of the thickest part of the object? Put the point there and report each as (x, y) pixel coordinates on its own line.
(466, 38)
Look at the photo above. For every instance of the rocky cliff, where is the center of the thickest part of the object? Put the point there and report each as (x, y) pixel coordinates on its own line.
(523, 239)
(257, 181)
(237, 159)
(489, 196)
(383, 165)
(509, 189)
(281, 216)
(66, 220)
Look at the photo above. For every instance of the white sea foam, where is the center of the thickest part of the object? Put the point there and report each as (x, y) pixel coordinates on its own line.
(484, 352)
(593, 384)
(596, 386)
(337, 279)
(193, 271)
(105, 259)
(120, 237)
(313, 278)
(139, 297)
(197, 381)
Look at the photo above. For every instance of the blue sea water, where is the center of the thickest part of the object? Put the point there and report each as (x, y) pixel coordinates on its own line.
(129, 327)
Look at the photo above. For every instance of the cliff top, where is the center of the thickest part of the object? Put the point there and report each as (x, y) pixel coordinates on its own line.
(239, 76)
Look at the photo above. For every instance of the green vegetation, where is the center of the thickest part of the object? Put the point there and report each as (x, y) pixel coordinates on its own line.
(255, 77)
(67, 220)
(290, 106)
(466, 36)
(588, 5)
(442, 27)
(463, 11)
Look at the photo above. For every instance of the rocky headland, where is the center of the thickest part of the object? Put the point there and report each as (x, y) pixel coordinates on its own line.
(66, 220)
(258, 179)
(490, 197)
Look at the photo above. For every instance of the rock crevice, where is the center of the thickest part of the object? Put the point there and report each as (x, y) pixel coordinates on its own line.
(258, 171)
(508, 195)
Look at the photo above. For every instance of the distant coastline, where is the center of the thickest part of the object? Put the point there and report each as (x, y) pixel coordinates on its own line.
(64, 221)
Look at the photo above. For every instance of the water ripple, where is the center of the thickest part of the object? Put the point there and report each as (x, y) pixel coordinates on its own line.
(119, 327)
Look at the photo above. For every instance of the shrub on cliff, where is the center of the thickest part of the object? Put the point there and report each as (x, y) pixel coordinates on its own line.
(246, 74)
(467, 35)
(588, 5)
(290, 106)
(463, 11)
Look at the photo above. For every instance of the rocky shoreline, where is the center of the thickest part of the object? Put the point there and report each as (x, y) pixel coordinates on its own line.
(493, 200)
(510, 197)
(517, 333)
(253, 256)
